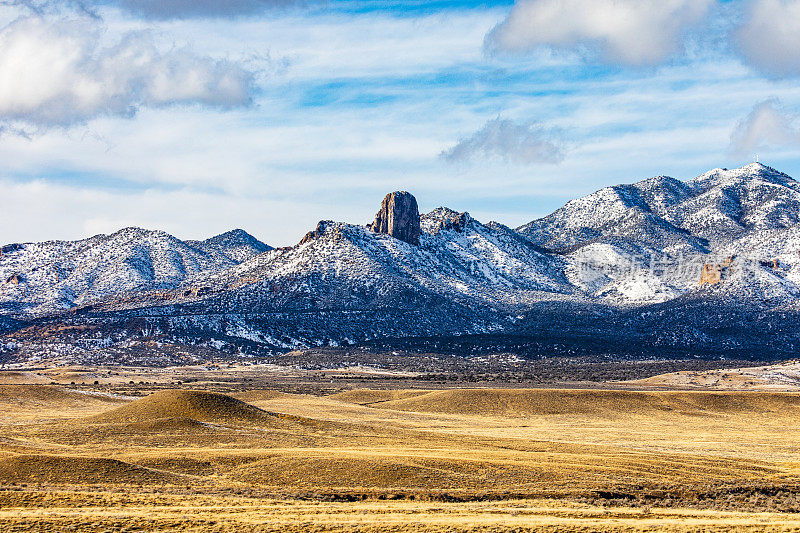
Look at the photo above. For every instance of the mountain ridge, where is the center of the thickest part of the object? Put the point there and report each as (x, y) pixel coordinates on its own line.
(607, 267)
(52, 276)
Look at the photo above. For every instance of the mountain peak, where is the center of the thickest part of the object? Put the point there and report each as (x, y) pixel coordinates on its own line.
(236, 245)
(135, 231)
(758, 169)
(443, 218)
(435, 216)
(398, 217)
(236, 237)
(751, 171)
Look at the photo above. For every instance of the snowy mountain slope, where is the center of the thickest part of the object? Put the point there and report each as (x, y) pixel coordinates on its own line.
(616, 213)
(668, 214)
(237, 245)
(730, 203)
(647, 242)
(346, 283)
(38, 278)
(350, 267)
(624, 272)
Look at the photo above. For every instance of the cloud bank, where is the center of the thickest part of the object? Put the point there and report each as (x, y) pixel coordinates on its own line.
(58, 73)
(182, 9)
(766, 126)
(163, 9)
(509, 141)
(628, 32)
(768, 39)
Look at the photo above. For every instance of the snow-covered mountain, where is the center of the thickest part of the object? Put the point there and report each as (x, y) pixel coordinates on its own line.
(647, 241)
(344, 266)
(622, 265)
(346, 283)
(236, 245)
(670, 214)
(52, 276)
(622, 213)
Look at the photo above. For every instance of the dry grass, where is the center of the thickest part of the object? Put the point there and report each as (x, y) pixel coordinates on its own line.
(369, 397)
(47, 469)
(197, 405)
(522, 403)
(61, 512)
(458, 460)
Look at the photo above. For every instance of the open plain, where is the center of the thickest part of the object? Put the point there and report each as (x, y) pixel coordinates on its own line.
(219, 455)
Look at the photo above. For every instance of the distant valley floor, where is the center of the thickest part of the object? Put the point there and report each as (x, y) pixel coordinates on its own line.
(328, 371)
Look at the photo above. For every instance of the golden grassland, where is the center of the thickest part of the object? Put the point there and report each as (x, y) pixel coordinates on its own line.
(395, 460)
(84, 512)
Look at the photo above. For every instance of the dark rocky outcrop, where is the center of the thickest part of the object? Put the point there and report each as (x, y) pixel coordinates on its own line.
(456, 222)
(399, 217)
(319, 230)
(9, 248)
(197, 291)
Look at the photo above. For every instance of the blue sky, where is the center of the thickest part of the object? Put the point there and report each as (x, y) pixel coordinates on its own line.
(203, 116)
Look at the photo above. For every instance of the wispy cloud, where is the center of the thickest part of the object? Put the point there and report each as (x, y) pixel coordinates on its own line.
(768, 38)
(180, 9)
(627, 32)
(366, 106)
(164, 9)
(510, 141)
(767, 125)
(58, 73)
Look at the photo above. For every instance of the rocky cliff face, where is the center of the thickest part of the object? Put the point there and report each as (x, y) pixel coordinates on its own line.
(399, 217)
(712, 274)
(443, 219)
(316, 233)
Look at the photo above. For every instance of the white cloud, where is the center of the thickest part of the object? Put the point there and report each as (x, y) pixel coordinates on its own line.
(337, 45)
(60, 72)
(369, 102)
(768, 39)
(628, 32)
(163, 9)
(168, 9)
(766, 126)
(509, 141)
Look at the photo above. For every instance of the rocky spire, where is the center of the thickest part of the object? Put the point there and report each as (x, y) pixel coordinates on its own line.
(398, 217)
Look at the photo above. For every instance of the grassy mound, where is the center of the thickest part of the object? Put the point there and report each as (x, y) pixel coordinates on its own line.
(536, 402)
(179, 465)
(261, 395)
(78, 470)
(345, 472)
(169, 423)
(368, 396)
(42, 393)
(182, 405)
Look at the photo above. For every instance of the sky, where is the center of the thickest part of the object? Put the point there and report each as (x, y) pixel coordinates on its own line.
(199, 116)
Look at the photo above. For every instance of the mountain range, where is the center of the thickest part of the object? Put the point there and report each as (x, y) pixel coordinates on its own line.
(705, 267)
